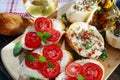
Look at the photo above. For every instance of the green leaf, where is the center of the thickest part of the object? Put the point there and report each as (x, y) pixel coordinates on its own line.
(44, 40)
(33, 78)
(64, 19)
(80, 77)
(46, 34)
(17, 48)
(40, 34)
(42, 59)
(50, 65)
(30, 58)
(104, 55)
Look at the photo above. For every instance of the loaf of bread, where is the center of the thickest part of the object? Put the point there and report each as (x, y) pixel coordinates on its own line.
(11, 24)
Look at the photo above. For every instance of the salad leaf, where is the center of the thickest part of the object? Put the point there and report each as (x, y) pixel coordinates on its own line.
(17, 48)
(30, 58)
(80, 77)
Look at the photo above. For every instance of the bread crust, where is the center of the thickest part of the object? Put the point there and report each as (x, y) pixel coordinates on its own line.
(11, 24)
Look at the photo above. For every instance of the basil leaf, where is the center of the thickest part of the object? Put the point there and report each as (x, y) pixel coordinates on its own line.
(104, 55)
(17, 48)
(42, 59)
(44, 40)
(50, 65)
(46, 34)
(80, 77)
(33, 78)
(40, 34)
(30, 58)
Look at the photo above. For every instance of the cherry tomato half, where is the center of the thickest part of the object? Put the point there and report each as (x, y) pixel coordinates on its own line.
(55, 35)
(33, 65)
(48, 72)
(42, 24)
(52, 52)
(32, 40)
(92, 71)
(73, 69)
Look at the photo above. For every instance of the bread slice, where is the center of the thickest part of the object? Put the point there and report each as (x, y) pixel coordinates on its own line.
(11, 24)
(112, 40)
(63, 75)
(57, 25)
(80, 10)
(85, 40)
(26, 72)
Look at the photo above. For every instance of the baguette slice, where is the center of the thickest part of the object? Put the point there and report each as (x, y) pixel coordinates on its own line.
(80, 10)
(112, 40)
(26, 72)
(57, 25)
(63, 75)
(85, 40)
(11, 24)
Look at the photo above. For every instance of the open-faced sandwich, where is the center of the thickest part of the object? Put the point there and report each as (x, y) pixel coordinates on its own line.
(45, 31)
(113, 33)
(86, 69)
(85, 40)
(45, 63)
(80, 10)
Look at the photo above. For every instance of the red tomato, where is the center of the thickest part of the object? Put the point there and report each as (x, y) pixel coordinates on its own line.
(73, 69)
(52, 52)
(33, 65)
(92, 71)
(32, 40)
(42, 24)
(72, 78)
(48, 72)
(55, 35)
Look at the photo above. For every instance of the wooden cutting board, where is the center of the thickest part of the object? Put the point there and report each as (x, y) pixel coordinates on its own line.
(12, 63)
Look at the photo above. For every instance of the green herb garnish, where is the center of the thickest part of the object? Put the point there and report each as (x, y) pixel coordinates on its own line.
(44, 36)
(30, 58)
(64, 19)
(104, 55)
(80, 77)
(33, 78)
(17, 48)
(42, 59)
(50, 65)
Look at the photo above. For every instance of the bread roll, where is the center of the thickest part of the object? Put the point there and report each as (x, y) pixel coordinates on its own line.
(11, 24)
(57, 25)
(63, 75)
(27, 72)
(85, 40)
(112, 40)
(80, 10)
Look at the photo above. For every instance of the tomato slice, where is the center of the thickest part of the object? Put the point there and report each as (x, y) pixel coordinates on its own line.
(32, 40)
(33, 65)
(92, 71)
(52, 52)
(48, 72)
(73, 69)
(42, 24)
(55, 35)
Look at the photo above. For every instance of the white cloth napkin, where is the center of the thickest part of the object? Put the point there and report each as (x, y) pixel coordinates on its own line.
(17, 7)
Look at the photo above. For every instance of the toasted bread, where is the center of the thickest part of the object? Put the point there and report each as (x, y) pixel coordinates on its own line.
(85, 40)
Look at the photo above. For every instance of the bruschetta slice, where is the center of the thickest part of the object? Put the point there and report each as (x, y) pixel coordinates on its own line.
(85, 40)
